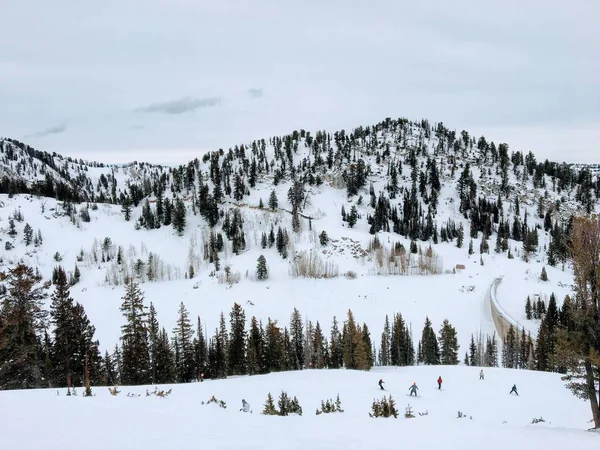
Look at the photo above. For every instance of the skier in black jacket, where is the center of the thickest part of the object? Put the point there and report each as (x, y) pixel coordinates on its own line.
(381, 382)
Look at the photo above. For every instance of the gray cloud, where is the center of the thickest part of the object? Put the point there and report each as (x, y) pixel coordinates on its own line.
(52, 130)
(255, 92)
(137, 126)
(180, 105)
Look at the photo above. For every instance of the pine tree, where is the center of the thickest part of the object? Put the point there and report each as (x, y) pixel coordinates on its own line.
(269, 409)
(352, 217)
(274, 347)
(348, 341)
(273, 202)
(449, 344)
(184, 334)
(134, 335)
(255, 349)
(297, 340)
(22, 320)
(200, 349)
(430, 351)
(164, 357)
(319, 350)
(473, 353)
(261, 268)
(223, 353)
(74, 342)
(27, 234)
(336, 352)
(153, 336)
(126, 209)
(528, 309)
(386, 338)
(179, 217)
(237, 341)
(460, 236)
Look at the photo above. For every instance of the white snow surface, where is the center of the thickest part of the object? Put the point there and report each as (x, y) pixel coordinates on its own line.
(499, 421)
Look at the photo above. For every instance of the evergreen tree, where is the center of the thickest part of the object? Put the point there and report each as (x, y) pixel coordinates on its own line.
(528, 309)
(352, 217)
(473, 353)
(273, 202)
(297, 340)
(386, 341)
(348, 341)
(255, 349)
(237, 341)
(134, 335)
(449, 344)
(153, 336)
(274, 347)
(27, 234)
(430, 351)
(126, 209)
(319, 351)
(73, 339)
(184, 335)
(200, 349)
(460, 236)
(22, 320)
(179, 217)
(261, 268)
(336, 349)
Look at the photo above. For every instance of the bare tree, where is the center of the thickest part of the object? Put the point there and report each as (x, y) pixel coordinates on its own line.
(578, 346)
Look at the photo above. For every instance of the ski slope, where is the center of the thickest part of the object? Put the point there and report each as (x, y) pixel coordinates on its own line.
(499, 420)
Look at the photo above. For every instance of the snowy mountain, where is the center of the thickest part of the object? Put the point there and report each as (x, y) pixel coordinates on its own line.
(401, 182)
(397, 218)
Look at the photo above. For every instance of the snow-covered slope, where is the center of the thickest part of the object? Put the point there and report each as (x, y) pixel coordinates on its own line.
(494, 419)
(91, 235)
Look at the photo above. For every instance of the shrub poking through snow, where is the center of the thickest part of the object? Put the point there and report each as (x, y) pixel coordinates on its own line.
(270, 407)
(214, 399)
(286, 406)
(159, 393)
(329, 406)
(114, 391)
(534, 420)
(351, 275)
(384, 408)
(310, 265)
(408, 412)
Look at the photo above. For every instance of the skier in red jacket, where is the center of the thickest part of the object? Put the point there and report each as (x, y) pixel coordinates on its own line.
(439, 382)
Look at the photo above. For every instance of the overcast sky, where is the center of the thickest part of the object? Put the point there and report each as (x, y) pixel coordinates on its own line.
(165, 80)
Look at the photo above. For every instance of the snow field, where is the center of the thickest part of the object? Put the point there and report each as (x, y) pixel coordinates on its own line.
(500, 420)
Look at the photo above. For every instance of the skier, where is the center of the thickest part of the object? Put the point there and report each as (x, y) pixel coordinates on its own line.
(514, 389)
(481, 377)
(202, 377)
(381, 383)
(413, 389)
(245, 406)
(439, 381)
